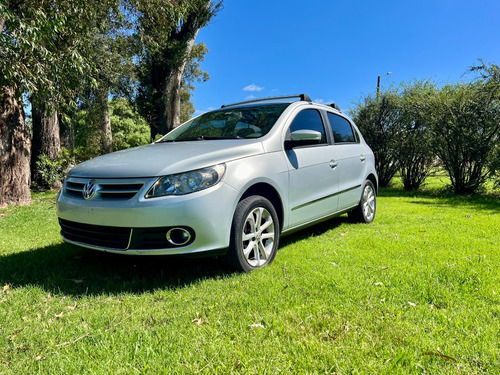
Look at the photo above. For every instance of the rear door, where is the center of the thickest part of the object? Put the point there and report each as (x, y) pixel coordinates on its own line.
(350, 158)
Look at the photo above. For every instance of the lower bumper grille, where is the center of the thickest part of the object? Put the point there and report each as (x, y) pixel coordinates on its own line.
(102, 236)
(118, 237)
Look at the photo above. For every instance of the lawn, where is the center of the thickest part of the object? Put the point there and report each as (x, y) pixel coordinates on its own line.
(417, 291)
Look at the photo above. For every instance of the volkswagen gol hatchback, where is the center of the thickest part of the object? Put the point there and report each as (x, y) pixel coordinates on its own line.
(228, 182)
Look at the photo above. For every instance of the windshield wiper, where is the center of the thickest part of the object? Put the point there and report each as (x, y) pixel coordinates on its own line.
(201, 138)
(223, 137)
(186, 139)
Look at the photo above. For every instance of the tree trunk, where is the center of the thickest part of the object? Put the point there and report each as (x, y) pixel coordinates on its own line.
(173, 90)
(173, 101)
(67, 135)
(2, 22)
(103, 107)
(46, 139)
(14, 151)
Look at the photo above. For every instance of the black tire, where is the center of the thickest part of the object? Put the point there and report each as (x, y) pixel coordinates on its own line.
(367, 207)
(255, 233)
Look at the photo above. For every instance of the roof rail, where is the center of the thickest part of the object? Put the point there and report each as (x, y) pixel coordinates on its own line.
(335, 106)
(303, 97)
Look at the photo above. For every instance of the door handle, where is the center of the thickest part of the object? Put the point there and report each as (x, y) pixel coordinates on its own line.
(362, 157)
(333, 164)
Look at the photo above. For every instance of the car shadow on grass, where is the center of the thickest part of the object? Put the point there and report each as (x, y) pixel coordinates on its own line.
(70, 270)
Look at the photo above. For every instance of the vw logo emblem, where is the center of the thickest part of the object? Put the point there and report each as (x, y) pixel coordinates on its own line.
(89, 189)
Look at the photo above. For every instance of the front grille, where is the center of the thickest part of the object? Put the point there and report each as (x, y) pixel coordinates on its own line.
(116, 189)
(97, 235)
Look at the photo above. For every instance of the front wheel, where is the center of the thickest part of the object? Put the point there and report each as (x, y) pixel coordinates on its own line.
(365, 211)
(255, 234)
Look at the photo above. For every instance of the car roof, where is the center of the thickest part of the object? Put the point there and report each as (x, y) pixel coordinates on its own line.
(283, 99)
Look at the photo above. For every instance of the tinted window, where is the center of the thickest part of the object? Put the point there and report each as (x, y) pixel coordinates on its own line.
(342, 130)
(309, 119)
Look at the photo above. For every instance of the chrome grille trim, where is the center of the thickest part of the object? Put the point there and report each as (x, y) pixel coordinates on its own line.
(106, 188)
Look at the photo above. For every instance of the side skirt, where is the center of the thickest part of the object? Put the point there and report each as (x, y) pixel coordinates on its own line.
(316, 221)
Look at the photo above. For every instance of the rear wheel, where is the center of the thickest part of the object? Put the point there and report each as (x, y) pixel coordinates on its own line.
(254, 234)
(365, 211)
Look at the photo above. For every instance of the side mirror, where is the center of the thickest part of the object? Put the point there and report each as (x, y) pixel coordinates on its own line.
(303, 137)
(306, 135)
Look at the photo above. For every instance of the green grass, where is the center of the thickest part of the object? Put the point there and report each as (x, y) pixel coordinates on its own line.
(417, 291)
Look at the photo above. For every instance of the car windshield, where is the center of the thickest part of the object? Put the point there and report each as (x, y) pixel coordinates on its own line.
(229, 123)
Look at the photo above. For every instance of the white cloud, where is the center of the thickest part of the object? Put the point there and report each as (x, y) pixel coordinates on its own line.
(323, 101)
(250, 97)
(253, 87)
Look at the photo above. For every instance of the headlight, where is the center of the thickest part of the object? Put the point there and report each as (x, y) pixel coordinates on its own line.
(188, 182)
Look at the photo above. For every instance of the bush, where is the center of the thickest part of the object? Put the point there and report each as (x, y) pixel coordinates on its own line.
(128, 127)
(466, 126)
(50, 174)
(377, 118)
(495, 166)
(414, 150)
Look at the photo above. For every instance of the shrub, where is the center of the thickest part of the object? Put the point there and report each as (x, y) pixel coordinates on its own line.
(50, 174)
(377, 118)
(466, 126)
(414, 150)
(128, 127)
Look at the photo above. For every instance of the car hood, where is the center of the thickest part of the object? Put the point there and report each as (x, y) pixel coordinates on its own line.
(161, 159)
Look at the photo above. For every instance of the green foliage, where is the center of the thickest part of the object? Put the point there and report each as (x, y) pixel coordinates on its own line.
(415, 154)
(466, 128)
(495, 165)
(51, 173)
(166, 34)
(129, 128)
(44, 45)
(458, 125)
(88, 137)
(378, 120)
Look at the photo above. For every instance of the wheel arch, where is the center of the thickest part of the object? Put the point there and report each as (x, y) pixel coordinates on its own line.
(373, 179)
(270, 193)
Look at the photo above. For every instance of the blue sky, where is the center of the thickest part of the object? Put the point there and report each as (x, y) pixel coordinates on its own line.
(334, 50)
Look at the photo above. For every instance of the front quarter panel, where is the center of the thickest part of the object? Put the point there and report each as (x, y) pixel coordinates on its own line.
(268, 168)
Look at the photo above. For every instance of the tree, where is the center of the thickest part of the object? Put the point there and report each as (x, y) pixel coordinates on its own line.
(192, 74)
(114, 50)
(466, 130)
(167, 34)
(378, 120)
(130, 129)
(494, 166)
(14, 150)
(42, 49)
(45, 140)
(415, 154)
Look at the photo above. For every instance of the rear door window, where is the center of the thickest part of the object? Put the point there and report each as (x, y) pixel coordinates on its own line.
(342, 129)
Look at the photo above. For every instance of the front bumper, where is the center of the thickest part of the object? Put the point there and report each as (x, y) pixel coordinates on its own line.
(140, 225)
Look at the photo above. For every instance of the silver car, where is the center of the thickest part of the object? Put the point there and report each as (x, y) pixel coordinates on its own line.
(229, 182)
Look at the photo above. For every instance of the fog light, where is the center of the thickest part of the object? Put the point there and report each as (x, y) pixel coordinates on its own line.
(178, 236)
